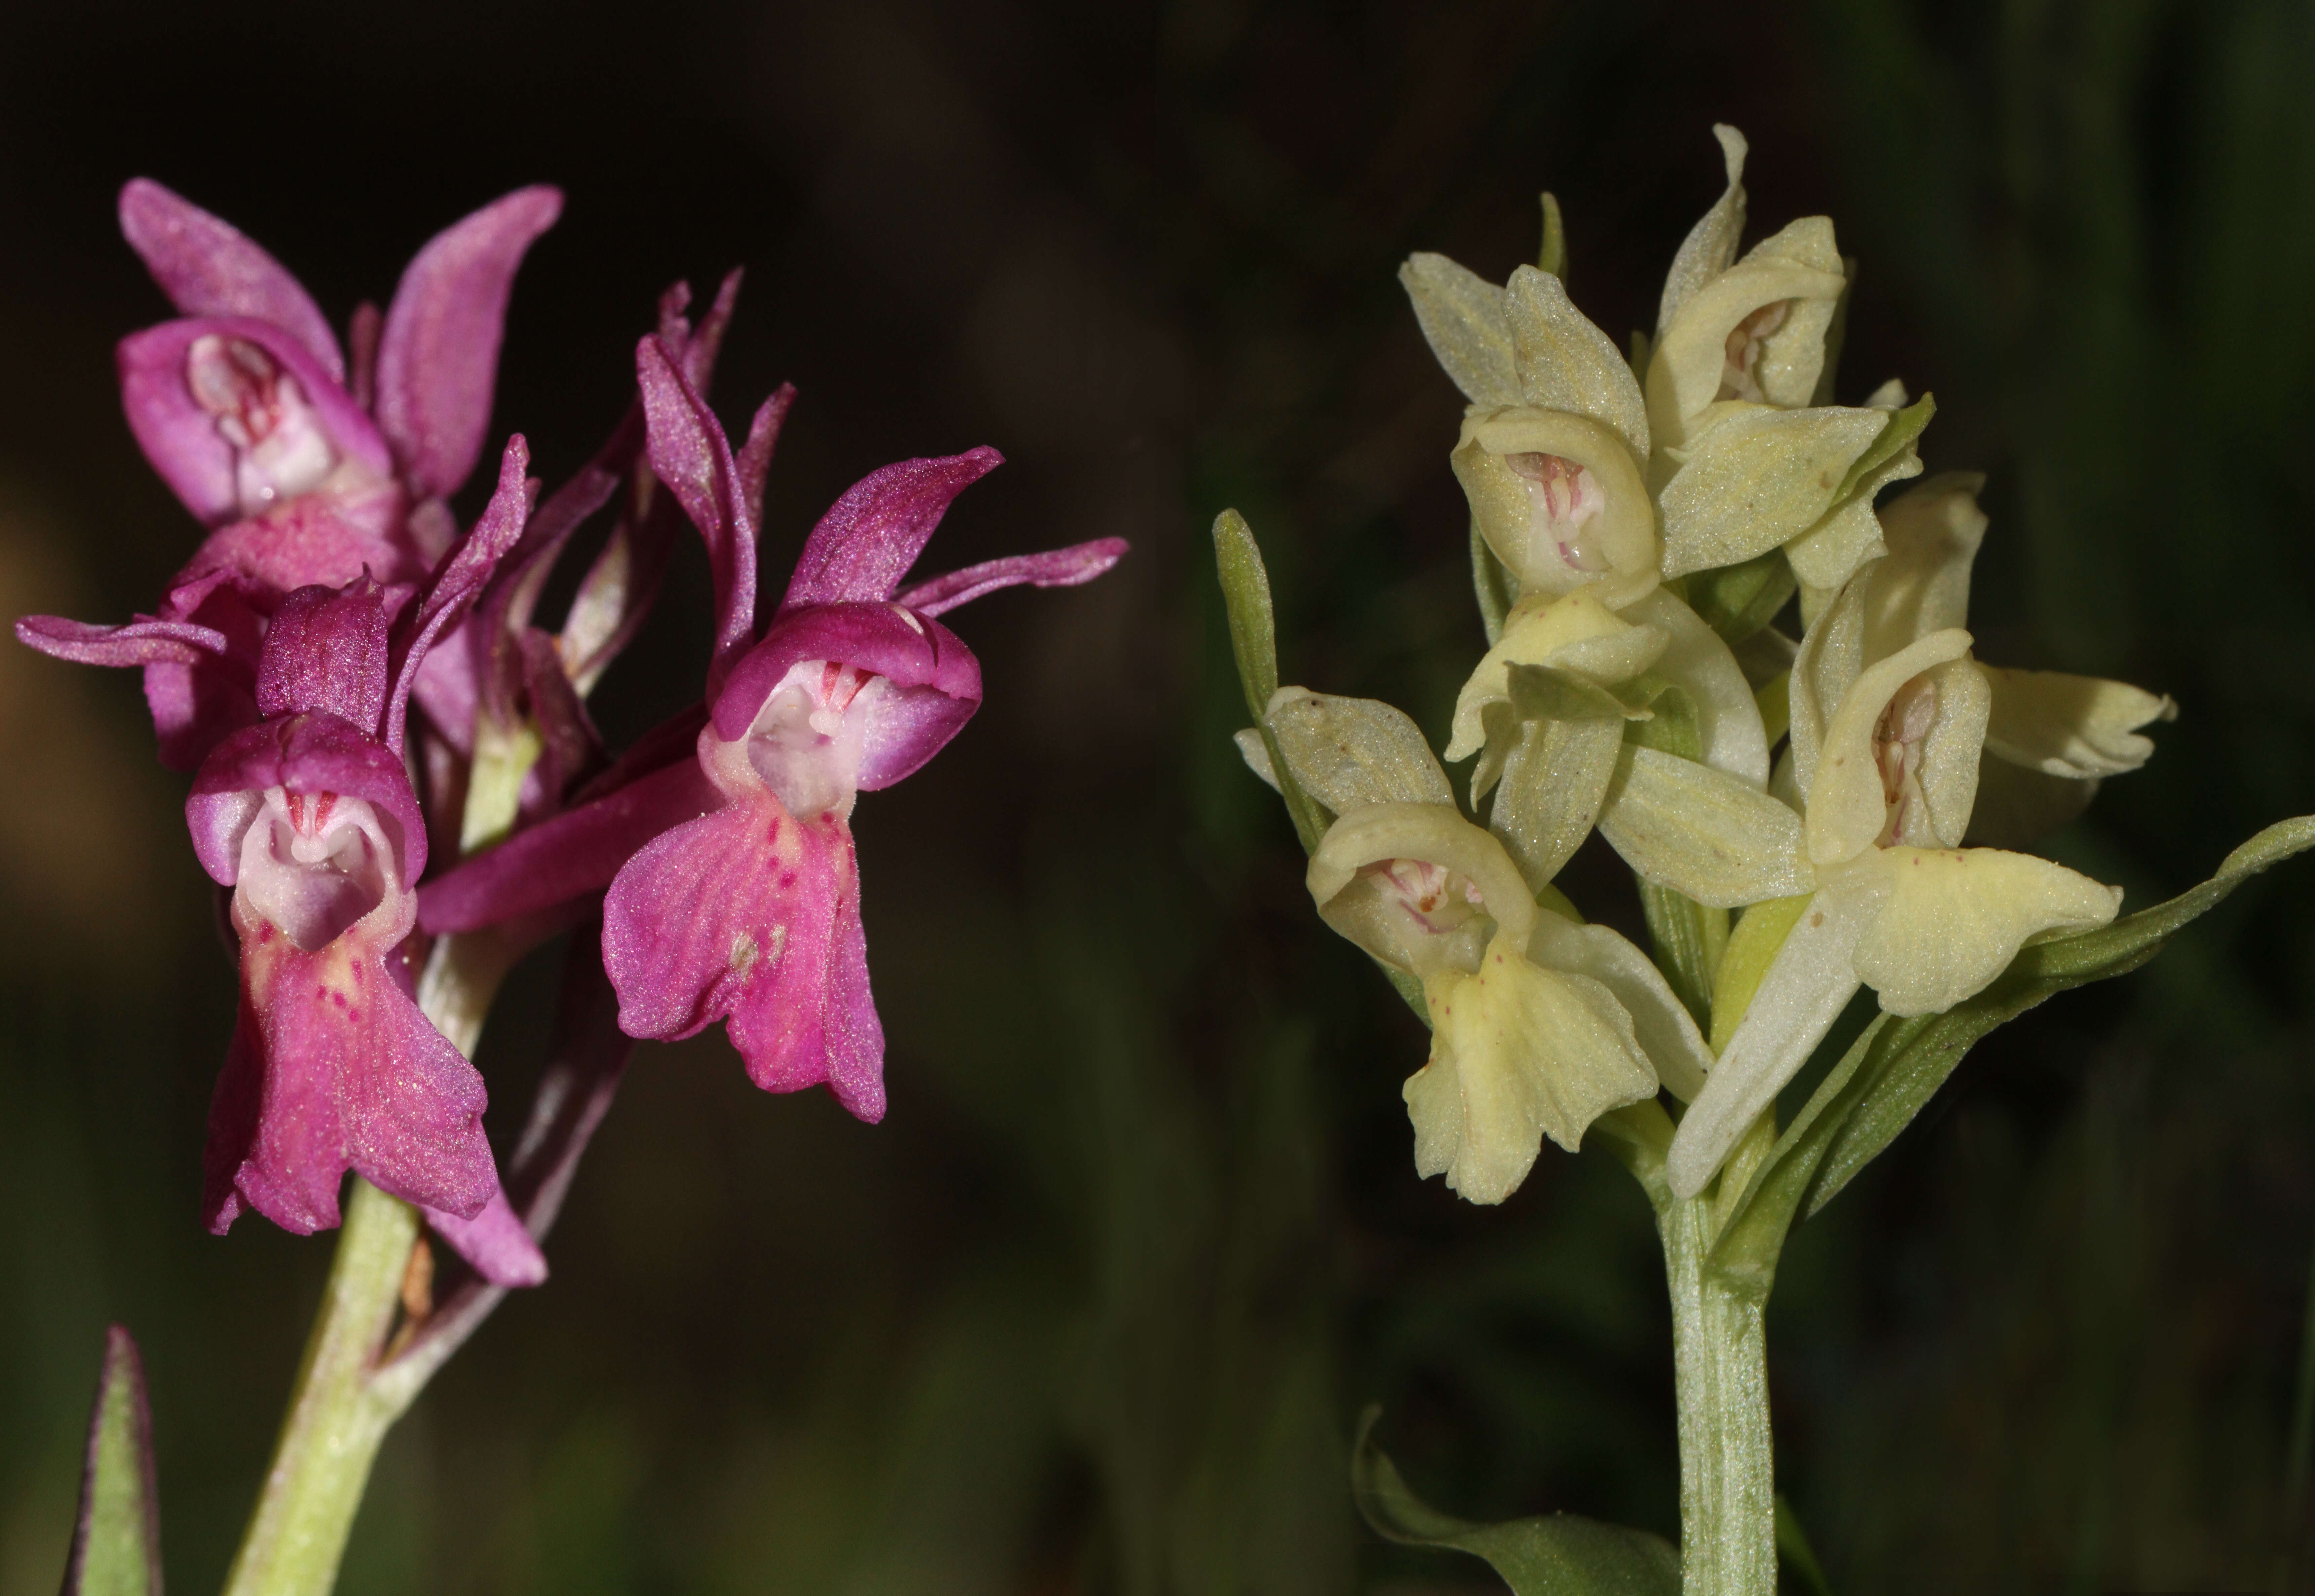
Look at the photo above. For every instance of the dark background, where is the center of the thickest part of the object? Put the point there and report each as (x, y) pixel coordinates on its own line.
(1095, 1306)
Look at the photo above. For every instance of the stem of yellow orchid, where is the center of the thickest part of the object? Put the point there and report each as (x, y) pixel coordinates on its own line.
(1720, 1365)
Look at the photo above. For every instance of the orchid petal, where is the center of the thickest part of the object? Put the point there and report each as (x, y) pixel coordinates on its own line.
(333, 1067)
(2075, 727)
(1352, 752)
(182, 439)
(1666, 1032)
(1622, 535)
(310, 754)
(1825, 666)
(933, 680)
(209, 268)
(1518, 1053)
(1756, 478)
(1054, 568)
(692, 456)
(437, 354)
(460, 580)
(1705, 834)
(1691, 356)
(1809, 984)
(1555, 778)
(1576, 632)
(1939, 924)
(1433, 834)
(1464, 321)
(741, 914)
(865, 543)
(494, 1241)
(1698, 661)
(144, 641)
(1567, 363)
(326, 649)
(1711, 245)
(1933, 530)
(1847, 806)
(575, 853)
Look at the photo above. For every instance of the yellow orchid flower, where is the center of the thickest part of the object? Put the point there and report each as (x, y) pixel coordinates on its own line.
(1891, 718)
(1538, 1024)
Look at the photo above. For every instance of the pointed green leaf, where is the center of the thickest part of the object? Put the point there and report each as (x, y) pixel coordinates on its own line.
(1253, 642)
(1556, 1554)
(1553, 257)
(1892, 1071)
(116, 1548)
(1490, 579)
(1245, 590)
(1737, 600)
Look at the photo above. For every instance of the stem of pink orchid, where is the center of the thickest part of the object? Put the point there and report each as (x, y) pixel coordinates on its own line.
(335, 1424)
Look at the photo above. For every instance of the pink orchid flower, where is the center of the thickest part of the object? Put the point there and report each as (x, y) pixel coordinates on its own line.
(733, 891)
(309, 817)
(307, 472)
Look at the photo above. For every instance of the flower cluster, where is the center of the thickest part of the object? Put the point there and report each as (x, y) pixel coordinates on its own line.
(1640, 527)
(361, 691)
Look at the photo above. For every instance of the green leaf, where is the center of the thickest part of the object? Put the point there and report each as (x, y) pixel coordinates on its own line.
(1556, 1554)
(1553, 256)
(1253, 627)
(1891, 1072)
(116, 1548)
(1253, 642)
(1737, 600)
(1793, 1546)
(1490, 579)
(1903, 427)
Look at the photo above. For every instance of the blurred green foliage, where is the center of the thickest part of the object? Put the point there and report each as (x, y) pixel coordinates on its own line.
(1095, 1307)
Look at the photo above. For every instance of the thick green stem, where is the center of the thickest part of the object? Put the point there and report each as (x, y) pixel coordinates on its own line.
(1720, 1362)
(331, 1436)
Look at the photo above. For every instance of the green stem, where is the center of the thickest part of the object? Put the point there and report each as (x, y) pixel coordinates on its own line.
(334, 1428)
(1720, 1364)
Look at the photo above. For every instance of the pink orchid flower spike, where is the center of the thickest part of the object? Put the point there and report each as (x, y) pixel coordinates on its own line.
(734, 890)
(307, 471)
(310, 818)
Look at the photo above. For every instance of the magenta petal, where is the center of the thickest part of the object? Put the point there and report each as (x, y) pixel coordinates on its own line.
(1055, 568)
(882, 638)
(326, 649)
(182, 440)
(331, 1067)
(209, 268)
(142, 641)
(493, 1241)
(693, 457)
(865, 543)
(438, 355)
(742, 914)
(310, 753)
(575, 853)
(461, 579)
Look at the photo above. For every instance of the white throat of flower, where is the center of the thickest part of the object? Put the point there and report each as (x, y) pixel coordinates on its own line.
(1566, 499)
(806, 743)
(281, 450)
(315, 864)
(1740, 378)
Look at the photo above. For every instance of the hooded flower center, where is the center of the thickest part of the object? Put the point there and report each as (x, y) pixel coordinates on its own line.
(1566, 499)
(1740, 375)
(807, 740)
(1897, 738)
(314, 863)
(279, 449)
(1437, 899)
